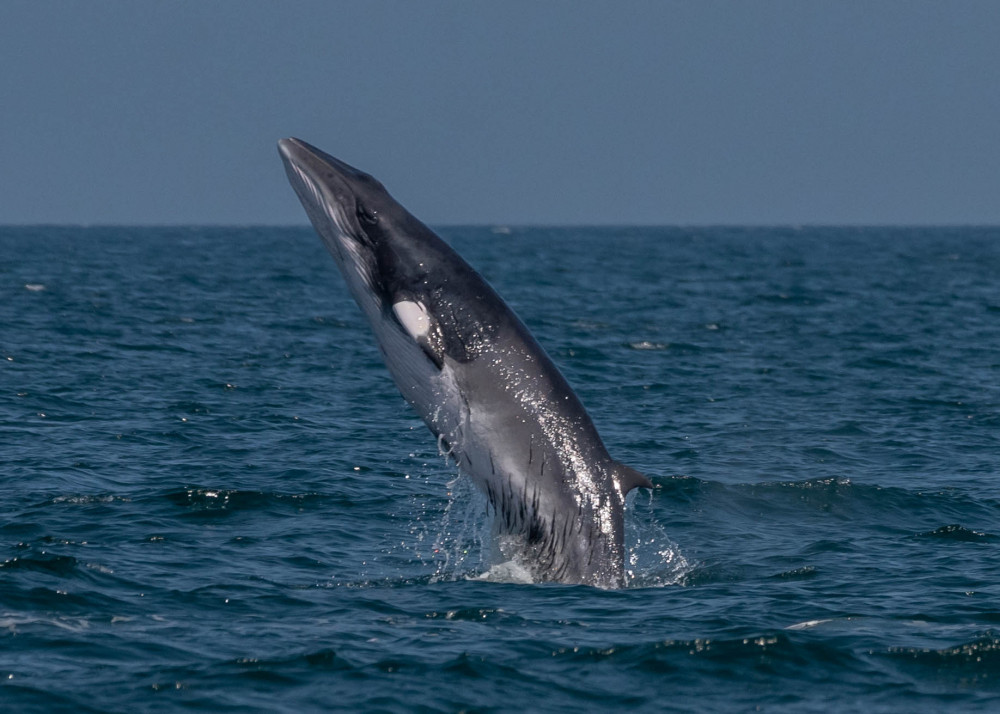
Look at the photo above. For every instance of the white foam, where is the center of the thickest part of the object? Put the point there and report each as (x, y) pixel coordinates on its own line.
(808, 624)
(508, 572)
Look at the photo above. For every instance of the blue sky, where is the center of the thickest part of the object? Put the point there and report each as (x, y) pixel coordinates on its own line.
(553, 112)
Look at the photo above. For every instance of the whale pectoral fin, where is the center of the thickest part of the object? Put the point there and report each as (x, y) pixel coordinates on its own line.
(417, 323)
(629, 478)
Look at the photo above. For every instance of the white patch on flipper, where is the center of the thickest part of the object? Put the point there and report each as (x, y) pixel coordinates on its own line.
(413, 317)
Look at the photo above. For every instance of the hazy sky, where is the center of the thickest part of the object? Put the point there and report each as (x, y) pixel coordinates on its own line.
(512, 111)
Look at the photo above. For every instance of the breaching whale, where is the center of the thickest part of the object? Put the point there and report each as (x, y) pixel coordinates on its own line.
(482, 384)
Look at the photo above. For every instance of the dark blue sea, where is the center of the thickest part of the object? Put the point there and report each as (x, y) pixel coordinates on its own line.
(212, 497)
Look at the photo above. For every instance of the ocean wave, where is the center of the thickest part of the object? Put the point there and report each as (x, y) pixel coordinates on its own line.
(956, 532)
(972, 665)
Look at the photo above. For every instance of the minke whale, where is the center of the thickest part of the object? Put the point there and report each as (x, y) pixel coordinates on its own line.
(497, 404)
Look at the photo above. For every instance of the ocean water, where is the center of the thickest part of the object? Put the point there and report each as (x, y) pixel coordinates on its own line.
(213, 498)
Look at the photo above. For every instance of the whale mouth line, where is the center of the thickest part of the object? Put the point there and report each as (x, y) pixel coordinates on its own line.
(346, 241)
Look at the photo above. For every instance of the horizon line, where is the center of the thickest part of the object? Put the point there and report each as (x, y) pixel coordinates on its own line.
(500, 227)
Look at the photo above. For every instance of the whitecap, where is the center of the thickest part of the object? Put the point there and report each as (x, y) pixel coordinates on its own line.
(808, 624)
(647, 345)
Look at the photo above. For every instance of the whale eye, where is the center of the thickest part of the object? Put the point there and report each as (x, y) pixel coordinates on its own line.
(366, 216)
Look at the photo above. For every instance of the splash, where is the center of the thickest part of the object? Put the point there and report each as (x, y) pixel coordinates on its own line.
(510, 571)
(459, 542)
(458, 537)
(652, 559)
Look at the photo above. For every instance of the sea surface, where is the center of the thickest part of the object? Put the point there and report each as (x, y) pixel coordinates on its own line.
(212, 497)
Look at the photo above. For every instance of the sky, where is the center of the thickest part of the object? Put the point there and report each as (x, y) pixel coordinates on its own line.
(514, 112)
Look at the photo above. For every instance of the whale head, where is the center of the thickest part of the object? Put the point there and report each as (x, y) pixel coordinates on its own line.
(372, 237)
